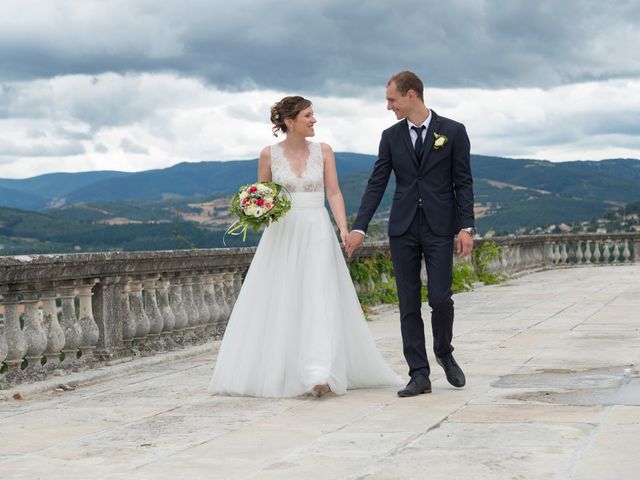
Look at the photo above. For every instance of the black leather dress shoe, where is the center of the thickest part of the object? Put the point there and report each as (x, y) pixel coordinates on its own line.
(455, 375)
(417, 385)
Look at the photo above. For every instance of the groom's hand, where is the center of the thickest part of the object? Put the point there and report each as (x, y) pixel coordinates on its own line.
(464, 244)
(354, 242)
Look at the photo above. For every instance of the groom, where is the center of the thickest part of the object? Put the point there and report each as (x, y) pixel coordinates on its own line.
(433, 202)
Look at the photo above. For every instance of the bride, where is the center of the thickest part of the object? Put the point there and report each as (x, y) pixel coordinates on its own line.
(297, 327)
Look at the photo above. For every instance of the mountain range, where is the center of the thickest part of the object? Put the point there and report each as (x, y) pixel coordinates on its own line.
(510, 194)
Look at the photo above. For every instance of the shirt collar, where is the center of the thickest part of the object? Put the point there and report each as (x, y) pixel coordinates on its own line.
(425, 124)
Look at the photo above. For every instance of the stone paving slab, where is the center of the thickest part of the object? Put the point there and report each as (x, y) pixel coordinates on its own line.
(553, 393)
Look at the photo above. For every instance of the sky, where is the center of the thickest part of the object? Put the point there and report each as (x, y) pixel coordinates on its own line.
(134, 84)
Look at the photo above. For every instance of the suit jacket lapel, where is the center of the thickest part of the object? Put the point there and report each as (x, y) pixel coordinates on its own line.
(430, 138)
(406, 138)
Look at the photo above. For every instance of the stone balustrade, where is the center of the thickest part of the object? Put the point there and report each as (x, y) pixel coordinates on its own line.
(64, 312)
(523, 254)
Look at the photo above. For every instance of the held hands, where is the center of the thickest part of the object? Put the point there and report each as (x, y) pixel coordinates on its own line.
(344, 237)
(354, 241)
(464, 244)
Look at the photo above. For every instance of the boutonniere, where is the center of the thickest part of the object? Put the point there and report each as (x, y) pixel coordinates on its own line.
(440, 141)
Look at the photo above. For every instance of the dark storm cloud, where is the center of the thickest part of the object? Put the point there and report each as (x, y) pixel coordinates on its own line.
(330, 46)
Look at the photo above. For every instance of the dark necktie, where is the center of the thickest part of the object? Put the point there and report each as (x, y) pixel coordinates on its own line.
(419, 144)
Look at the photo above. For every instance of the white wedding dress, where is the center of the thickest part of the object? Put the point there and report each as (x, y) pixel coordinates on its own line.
(297, 321)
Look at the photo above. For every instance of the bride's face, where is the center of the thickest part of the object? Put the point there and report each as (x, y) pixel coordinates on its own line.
(303, 123)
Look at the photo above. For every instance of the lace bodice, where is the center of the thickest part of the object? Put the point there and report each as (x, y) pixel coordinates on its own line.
(312, 178)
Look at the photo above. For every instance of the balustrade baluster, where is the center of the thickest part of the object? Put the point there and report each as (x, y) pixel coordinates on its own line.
(237, 284)
(548, 253)
(198, 300)
(587, 252)
(164, 304)
(210, 299)
(517, 261)
(69, 323)
(90, 330)
(578, 255)
(606, 253)
(34, 332)
(554, 253)
(143, 325)
(506, 253)
(228, 290)
(124, 312)
(177, 304)
(596, 251)
(3, 344)
(564, 256)
(151, 309)
(16, 342)
(55, 334)
(189, 303)
(626, 254)
(616, 251)
(223, 307)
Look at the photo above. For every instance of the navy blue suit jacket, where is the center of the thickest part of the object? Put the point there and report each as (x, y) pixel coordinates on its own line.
(442, 179)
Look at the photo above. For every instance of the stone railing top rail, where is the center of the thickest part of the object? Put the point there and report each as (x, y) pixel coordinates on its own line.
(33, 268)
(579, 237)
(36, 268)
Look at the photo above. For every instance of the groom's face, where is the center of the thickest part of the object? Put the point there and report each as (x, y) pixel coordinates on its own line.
(397, 103)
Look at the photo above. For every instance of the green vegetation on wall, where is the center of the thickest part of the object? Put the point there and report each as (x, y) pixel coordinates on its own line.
(375, 282)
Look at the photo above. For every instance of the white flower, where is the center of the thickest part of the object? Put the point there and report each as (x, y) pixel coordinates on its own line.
(258, 212)
(244, 194)
(263, 189)
(440, 141)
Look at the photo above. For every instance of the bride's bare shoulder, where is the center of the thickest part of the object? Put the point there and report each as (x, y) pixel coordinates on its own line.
(326, 148)
(265, 153)
(327, 152)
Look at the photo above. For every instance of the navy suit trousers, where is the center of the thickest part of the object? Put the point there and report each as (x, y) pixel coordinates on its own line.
(407, 252)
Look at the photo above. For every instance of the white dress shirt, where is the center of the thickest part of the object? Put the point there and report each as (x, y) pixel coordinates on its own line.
(414, 134)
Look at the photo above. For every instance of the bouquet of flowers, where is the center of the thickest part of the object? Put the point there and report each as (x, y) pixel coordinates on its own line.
(258, 204)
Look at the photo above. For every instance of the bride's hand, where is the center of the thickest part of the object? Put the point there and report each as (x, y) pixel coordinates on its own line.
(344, 236)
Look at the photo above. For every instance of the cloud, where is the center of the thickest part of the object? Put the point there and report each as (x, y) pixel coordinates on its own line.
(129, 146)
(55, 149)
(328, 47)
(135, 85)
(172, 119)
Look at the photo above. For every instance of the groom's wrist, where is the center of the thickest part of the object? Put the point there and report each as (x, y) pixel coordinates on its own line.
(359, 231)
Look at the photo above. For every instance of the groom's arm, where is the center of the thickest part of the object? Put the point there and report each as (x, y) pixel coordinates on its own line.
(462, 178)
(375, 187)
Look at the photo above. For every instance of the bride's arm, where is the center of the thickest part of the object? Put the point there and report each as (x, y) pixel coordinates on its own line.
(334, 196)
(264, 165)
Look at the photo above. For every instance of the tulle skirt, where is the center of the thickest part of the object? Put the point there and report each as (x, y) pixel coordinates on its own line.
(297, 321)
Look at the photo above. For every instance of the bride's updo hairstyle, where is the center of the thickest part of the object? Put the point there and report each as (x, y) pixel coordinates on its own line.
(288, 107)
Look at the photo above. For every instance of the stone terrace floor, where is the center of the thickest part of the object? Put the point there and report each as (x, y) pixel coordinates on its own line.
(553, 391)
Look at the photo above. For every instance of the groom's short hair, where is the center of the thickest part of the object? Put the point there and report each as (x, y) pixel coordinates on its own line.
(406, 81)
